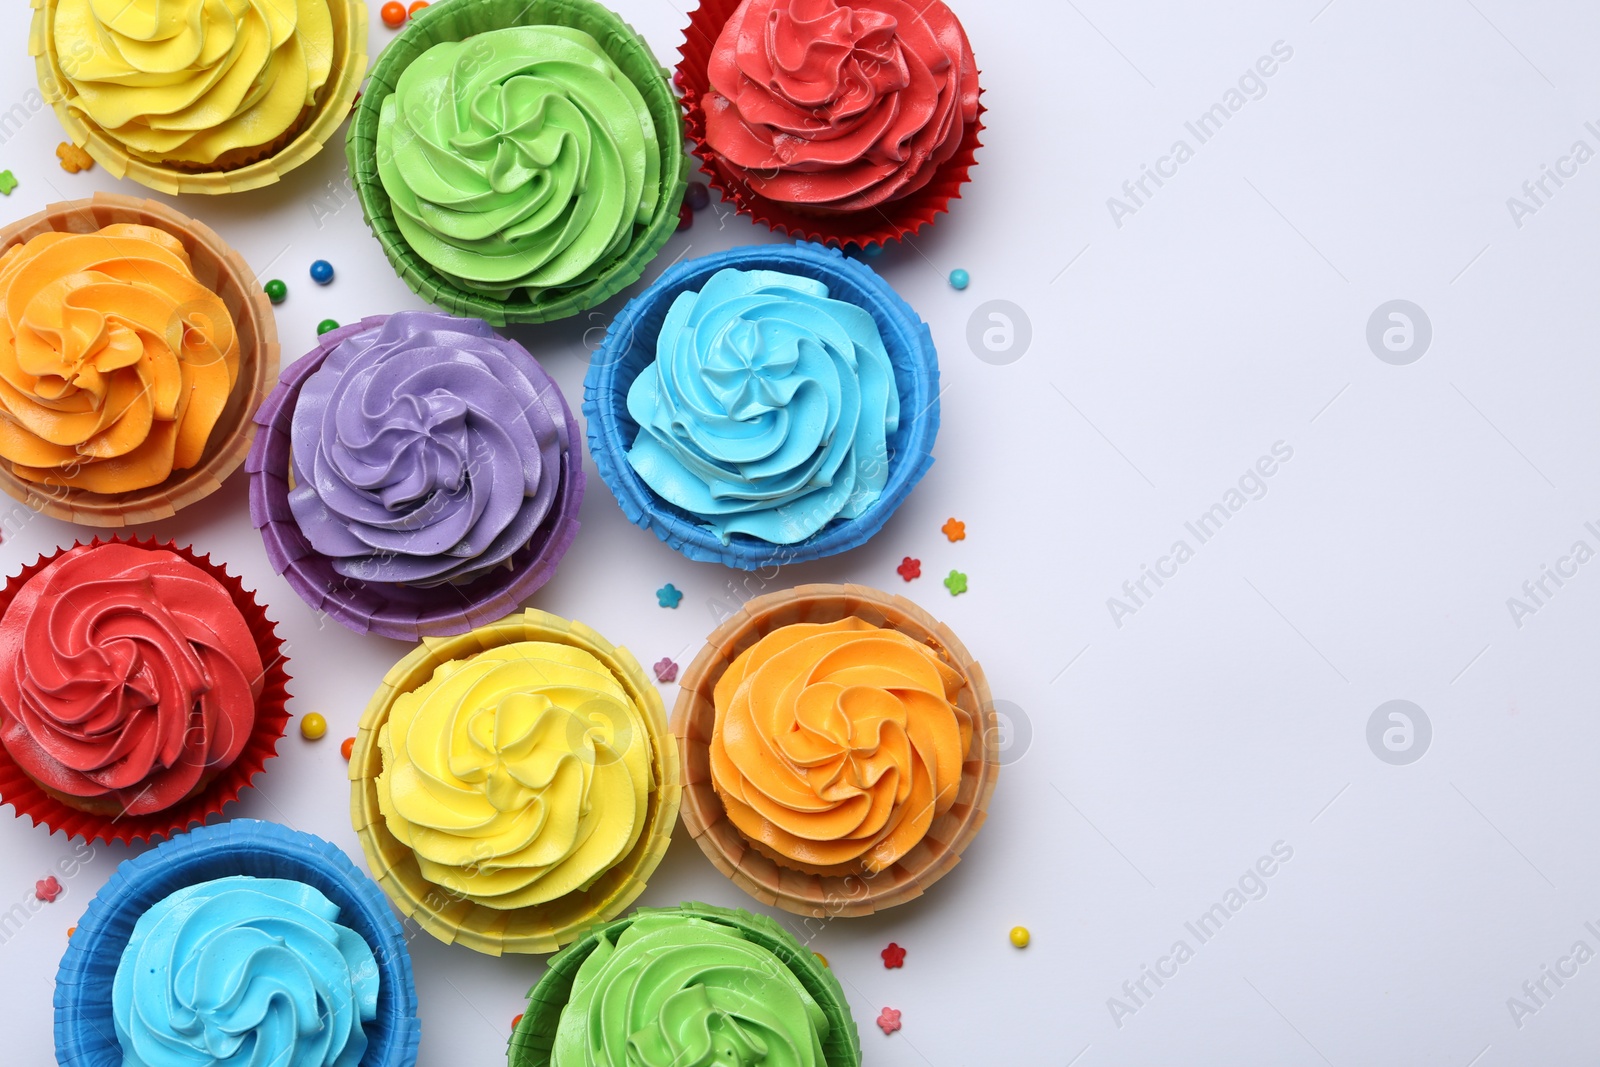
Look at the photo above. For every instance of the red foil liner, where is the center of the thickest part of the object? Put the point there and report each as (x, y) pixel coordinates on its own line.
(24, 795)
(886, 222)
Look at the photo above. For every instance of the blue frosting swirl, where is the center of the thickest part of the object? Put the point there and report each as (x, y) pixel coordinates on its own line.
(768, 407)
(243, 972)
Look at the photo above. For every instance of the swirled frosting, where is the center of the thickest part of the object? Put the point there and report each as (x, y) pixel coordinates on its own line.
(425, 450)
(517, 775)
(187, 81)
(767, 409)
(519, 159)
(673, 991)
(839, 106)
(126, 673)
(115, 362)
(837, 744)
(244, 972)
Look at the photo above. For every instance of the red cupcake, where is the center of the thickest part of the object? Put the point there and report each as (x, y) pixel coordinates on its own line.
(141, 688)
(843, 122)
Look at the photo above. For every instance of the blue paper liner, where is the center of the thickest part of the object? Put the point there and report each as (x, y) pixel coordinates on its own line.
(85, 1034)
(630, 347)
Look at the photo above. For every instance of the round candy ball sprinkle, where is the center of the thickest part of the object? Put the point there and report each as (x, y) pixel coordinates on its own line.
(959, 279)
(685, 216)
(416, 5)
(322, 270)
(824, 960)
(313, 726)
(276, 290)
(393, 14)
(872, 251)
(698, 197)
(325, 325)
(346, 746)
(1019, 936)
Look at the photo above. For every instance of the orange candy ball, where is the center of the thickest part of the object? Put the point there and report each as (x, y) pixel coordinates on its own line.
(394, 13)
(344, 749)
(416, 5)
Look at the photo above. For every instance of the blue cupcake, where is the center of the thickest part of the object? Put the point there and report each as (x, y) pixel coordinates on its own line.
(252, 933)
(764, 405)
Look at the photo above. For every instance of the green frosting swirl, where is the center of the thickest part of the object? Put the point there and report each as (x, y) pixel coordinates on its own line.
(520, 158)
(673, 991)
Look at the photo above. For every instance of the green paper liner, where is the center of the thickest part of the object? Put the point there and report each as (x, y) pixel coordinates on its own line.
(29, 799)
(457, 20)
(538, 928)
(767, 876)
(534, 1036)
(223, 271)
(263, 167)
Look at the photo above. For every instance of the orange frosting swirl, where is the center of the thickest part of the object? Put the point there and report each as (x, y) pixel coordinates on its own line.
(836, 745)
(115, 362)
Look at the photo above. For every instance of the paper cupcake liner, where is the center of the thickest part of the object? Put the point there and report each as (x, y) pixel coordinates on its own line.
(630, 347)
(84, 1033)
(759, 874)
(456, 21)
(890, 221)
(297, 145)
(29, 799)
(539, 928)
(225, 273)
(534, 1036)
(401, 612)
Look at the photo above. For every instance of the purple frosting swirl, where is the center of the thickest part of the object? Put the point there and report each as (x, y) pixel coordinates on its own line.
(426, 450)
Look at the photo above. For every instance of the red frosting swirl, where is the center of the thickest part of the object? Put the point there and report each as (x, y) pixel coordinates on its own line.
(128, 674)
(839, 106)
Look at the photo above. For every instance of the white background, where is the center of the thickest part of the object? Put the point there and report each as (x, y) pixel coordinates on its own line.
(1229, 713)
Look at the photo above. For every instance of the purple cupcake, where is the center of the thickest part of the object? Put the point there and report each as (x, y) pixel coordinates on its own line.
(416, 476)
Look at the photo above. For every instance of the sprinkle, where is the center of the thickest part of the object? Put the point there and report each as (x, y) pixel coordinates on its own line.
(685, 216)
(394, 14)
(698, 197)
(889, 1020)
(959, 279)
(313, 726)
(517, 1021)
(824, 960)
(73, 159)
(276, 290)
(669, 595)
(47, 890)
(322, 270)
(416, 5)
(893, 957)
(677, 79)
(872, 251)
(954, 529)
(666, 670)
(910, 568)
(8, 182)
(71, 930)
(346, 747)
(956, 582)
(325, 325)
(1020, 936)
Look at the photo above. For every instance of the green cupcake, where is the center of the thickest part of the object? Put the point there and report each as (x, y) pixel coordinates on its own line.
(694, 984)
(518, 163)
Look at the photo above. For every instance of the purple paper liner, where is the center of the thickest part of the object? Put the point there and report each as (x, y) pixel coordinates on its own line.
(84, 1032)
(630, 346)
(405, 613)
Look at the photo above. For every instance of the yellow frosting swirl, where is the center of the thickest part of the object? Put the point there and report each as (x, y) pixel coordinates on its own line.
(115, 362)
(835, 745)
(189, 80)
(517, 775)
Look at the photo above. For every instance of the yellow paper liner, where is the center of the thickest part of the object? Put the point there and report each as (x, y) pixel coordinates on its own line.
(540, 928)
(759, 872)
(223, 271)
(256, 168)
